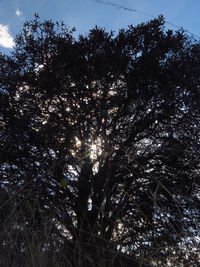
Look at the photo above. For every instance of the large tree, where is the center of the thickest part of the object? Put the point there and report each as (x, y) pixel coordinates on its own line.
(100, 144)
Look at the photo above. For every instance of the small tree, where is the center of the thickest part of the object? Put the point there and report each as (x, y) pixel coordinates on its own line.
(100, 141)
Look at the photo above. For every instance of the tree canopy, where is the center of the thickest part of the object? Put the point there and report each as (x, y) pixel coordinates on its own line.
(100, 144)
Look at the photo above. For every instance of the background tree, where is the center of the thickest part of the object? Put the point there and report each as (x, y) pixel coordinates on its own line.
(100, 144)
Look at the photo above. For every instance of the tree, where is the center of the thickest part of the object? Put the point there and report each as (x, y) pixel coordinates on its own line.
(100, 142)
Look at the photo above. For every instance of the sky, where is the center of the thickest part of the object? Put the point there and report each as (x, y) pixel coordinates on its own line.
(85, 14)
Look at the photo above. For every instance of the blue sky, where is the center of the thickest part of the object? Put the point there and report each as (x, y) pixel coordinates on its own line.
(85, 14)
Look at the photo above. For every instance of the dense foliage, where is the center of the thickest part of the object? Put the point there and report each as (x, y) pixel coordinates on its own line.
(100, 145)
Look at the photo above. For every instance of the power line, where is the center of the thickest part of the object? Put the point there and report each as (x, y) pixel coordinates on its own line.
(117, 6)
(123, 7)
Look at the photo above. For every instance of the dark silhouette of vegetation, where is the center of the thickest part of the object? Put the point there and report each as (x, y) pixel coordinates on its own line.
(99, 155)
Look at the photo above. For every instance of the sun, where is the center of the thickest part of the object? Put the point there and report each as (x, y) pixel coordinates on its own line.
(93, 147)
(93, 151)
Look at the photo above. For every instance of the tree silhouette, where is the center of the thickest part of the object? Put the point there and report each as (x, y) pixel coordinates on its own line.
(100, 143)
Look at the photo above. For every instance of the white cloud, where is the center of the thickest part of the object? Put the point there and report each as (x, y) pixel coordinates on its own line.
(18, 12)
(6, 40)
